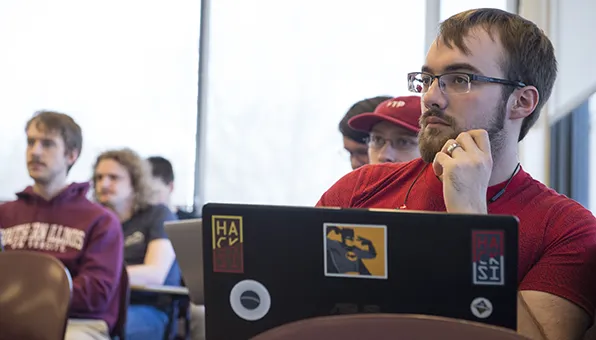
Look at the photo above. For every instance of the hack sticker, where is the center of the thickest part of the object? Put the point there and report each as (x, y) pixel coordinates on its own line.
(228, 244)
(355, 250)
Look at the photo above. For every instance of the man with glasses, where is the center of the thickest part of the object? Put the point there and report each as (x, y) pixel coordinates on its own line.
(393, 130)
(355, 142)
(486, 78)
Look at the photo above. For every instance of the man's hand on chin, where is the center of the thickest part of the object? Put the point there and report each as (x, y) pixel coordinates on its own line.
(465, 165)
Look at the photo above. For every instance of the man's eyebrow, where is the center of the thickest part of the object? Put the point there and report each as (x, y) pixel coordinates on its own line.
(461, 67)
(454, 67)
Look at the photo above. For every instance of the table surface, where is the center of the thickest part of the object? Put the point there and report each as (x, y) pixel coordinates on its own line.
(173, 290)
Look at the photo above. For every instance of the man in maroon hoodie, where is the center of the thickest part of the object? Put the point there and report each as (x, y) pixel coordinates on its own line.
(56, 218)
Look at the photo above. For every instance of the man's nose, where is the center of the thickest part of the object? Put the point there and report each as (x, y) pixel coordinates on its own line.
(387, 154)
(433, 97)
(103, 182)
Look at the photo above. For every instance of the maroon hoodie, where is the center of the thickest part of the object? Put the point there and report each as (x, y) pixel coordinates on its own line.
(86, 237)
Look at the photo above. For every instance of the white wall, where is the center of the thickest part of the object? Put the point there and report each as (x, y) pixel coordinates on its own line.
(282, 74)
(126, 71)
(451, 7)
(569, 25)
(592, 154)
(534, 149)
(573, 30)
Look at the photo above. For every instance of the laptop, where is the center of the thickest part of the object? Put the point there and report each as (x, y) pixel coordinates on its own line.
(187, 240)
(266, 266)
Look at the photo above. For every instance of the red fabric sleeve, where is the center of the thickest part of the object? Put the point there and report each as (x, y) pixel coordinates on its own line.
(567, 267)
(98, 277)
(341, 193)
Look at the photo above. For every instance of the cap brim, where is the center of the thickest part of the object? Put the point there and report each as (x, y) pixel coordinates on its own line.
(365, 122)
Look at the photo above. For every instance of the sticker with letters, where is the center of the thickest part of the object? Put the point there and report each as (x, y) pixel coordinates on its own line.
(481, 307)
(488, 257)
(250, 300)
(228, 244)
(355, 250)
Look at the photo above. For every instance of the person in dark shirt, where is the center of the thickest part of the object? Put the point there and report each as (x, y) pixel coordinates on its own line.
(163, 181)
(122, 182)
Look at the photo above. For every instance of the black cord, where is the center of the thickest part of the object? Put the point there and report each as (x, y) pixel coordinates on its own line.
(403, 206)
(502, 191)
(491, 200)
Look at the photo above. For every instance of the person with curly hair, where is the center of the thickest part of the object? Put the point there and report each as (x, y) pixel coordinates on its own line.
(122, 182)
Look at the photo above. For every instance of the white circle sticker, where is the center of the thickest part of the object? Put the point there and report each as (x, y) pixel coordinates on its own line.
(481, 307)
(250, 300)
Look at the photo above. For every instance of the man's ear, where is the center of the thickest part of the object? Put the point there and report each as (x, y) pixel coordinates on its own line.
(171, 187)
(72, 156)
(524, 103)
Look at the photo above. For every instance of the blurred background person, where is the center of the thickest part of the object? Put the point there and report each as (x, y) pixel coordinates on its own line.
(392, 130)
(122, 183)
(162, 173)
(355, 142)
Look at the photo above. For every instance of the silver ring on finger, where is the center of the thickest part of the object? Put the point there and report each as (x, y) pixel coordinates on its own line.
(452, 147)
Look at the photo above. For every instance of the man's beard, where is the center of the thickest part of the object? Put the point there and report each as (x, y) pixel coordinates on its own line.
(432, 140)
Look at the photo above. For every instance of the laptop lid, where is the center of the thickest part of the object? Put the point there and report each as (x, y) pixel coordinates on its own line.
(270, 265)
(187, 240)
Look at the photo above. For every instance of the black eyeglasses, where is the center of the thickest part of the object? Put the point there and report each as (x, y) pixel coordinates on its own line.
(452, 82)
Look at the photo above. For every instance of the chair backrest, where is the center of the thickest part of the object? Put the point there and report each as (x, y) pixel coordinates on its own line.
(385, 327)
(119, 331)
(35, 292)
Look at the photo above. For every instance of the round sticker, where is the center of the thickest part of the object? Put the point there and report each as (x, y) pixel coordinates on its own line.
(250, 300)
(481, 307)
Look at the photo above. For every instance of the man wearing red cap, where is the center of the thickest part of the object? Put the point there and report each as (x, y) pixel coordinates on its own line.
(393, 130)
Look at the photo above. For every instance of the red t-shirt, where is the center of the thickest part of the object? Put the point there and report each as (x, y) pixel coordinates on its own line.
(557, 236)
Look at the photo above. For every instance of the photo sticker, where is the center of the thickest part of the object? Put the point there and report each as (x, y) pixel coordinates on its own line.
(488, 257)
(228, 244)
(355, 250)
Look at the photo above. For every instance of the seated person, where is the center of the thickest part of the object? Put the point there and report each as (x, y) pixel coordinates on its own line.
(56, 218)
(122, 182)
(392, 130)
(355, 142)
(485, 79)
(163, 181)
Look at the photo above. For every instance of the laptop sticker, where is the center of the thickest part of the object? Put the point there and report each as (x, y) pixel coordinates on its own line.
(488, 257)
(481, 307)
(250, 300)
(355, 250)
(228, 244)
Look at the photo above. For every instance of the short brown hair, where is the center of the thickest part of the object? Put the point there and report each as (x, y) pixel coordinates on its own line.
(139, 171)
(61, 123)
(529, 54)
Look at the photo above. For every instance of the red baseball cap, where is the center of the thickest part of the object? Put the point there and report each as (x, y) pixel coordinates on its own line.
(401, 111)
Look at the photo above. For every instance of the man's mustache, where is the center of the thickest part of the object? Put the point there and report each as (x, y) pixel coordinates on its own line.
(435, 112)
(36, 161)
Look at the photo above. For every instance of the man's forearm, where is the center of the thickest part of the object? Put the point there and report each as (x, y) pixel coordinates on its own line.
(143, 274)
(527, 325)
